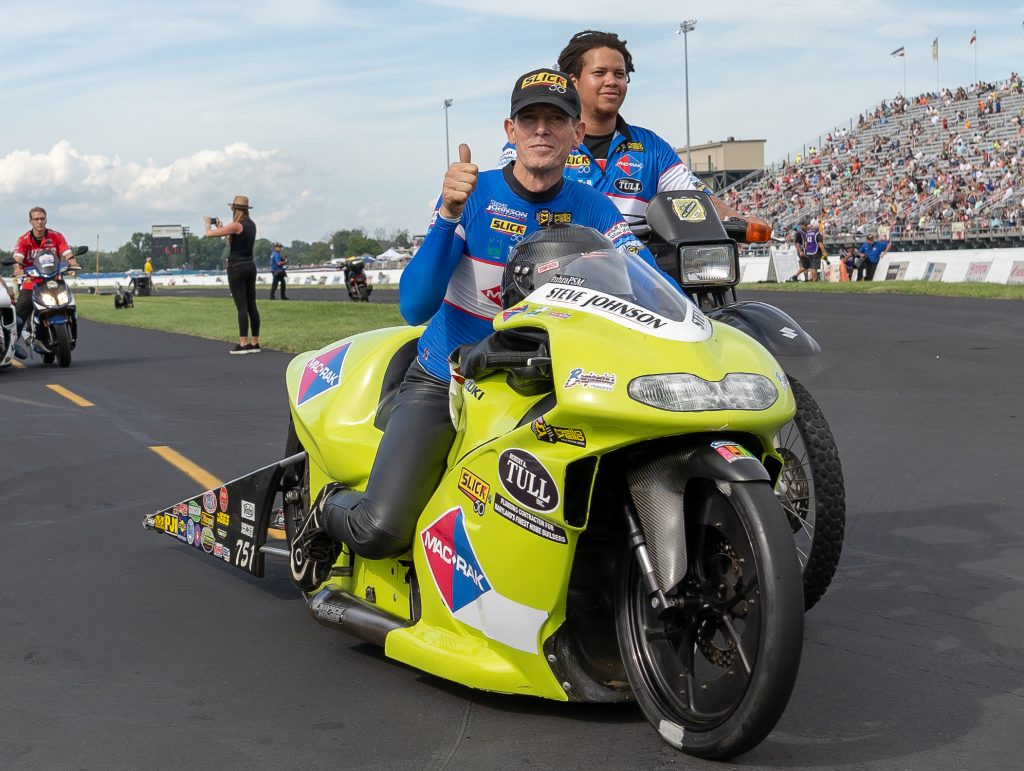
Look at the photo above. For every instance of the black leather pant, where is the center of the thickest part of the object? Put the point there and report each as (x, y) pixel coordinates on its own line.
(242, 283)
(410, 462)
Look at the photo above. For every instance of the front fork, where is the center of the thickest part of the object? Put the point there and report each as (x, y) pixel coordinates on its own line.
(636, 541)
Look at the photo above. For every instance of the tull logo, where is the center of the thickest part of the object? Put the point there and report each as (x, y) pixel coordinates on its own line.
(321, 373)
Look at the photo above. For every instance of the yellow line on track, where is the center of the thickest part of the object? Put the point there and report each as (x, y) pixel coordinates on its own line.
(207, 480)
(70, 395)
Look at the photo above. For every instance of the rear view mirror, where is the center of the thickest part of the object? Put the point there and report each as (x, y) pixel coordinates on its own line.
(80, 250)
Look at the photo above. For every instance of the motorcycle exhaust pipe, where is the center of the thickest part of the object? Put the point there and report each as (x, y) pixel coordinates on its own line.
(340, 610)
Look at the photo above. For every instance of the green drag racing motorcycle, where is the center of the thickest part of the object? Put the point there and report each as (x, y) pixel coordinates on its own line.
(608, 527)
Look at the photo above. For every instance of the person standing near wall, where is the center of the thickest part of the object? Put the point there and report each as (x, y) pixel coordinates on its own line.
(279, 272)
(241, 235)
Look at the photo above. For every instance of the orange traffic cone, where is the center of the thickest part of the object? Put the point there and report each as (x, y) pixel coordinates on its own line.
(843, 274)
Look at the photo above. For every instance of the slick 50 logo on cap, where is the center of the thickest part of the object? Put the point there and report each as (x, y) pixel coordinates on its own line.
(546, 87)
(321, 373)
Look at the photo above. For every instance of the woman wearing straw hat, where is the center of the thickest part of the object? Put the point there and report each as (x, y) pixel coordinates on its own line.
(241, 234)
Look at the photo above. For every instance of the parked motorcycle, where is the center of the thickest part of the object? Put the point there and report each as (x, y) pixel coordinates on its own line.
(811, 487)
(607, 528)
(355, 280)
(52, 329)
(122, 297)
(8, 325)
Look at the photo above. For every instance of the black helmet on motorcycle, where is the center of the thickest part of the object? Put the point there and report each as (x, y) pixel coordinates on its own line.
(544, 254)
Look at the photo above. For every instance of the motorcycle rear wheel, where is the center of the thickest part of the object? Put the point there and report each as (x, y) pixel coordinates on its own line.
(63, 335)
(812, 492)
(713, 672)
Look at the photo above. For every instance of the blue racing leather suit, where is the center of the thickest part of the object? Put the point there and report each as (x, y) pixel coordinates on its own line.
(455, 278)
(639, 165)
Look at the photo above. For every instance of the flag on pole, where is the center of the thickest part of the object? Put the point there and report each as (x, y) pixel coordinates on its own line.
(974, 37)
(935, 50)
(898, 52)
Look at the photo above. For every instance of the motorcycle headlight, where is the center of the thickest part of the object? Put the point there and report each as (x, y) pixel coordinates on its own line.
(682, 392)
(63, 297)
(48, 299)
(712, 264)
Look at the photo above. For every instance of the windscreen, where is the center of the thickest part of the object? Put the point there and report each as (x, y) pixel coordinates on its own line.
(609, 274)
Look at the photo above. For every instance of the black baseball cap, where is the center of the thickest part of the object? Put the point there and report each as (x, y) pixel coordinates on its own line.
(546, 86)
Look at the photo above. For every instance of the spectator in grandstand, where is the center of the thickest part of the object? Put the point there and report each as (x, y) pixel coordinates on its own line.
(872, 251)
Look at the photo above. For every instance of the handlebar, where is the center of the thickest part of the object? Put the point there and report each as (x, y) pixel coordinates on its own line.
(508, 359)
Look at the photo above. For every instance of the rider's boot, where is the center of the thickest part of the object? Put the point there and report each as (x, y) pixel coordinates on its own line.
(313, 551)
(21, 342)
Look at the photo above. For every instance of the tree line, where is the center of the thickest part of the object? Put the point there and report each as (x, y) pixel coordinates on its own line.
(211, 253)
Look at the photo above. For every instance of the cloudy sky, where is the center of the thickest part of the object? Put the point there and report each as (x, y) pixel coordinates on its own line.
(123, 114)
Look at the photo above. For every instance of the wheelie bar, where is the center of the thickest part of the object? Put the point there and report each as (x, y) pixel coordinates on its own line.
(230, 522)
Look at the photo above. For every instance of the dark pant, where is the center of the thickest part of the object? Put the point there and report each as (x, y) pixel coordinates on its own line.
(23, 307)
(870, 267)
(279, 279)
(410, 462)
(242, 283)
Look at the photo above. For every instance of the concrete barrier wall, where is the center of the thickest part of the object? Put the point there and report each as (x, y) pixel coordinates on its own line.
(996, 266)
(307, 277)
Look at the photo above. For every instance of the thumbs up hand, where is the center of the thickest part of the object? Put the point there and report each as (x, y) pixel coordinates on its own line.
(459, 182)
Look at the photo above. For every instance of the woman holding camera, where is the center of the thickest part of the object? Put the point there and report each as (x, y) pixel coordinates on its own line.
(241, 235)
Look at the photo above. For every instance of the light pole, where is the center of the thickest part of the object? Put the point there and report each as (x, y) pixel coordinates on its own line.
(686, 27)
(447, 145)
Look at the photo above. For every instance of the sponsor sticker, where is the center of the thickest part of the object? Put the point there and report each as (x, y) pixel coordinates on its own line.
(547, 217)
(248, 510)
(545, 79)
(321, 374)
(248, 530)
(224, 519)
(578, 161)
(628, 185)
(218, 550)
(209, 502)
(689, 210)
(627, 164)
(224, 499)
(190, 531)
(514, 312)
(493, 294)
(207, 539)
(528, 521)
(548, 266)
(525, 479)
(546, 432)
(194, 511)
(731, 451)
(476, 489)
(636, 147)
(602, 382)
(183, 528)
(504, 226)
(206, 520)
(618, 230)
(466, 591)
(222, 534)
(500, 209)
(558, 278)
(783, 380)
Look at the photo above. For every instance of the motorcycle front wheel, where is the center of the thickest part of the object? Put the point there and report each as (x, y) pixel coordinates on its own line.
(812, 492)
(63, 336)
(714, 670)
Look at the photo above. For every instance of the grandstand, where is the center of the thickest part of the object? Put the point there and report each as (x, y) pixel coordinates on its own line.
(943, 170)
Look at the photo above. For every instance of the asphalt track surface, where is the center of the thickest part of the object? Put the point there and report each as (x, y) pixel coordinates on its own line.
(120, 648)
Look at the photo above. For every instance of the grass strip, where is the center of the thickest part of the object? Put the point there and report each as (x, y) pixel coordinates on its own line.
(978, 291)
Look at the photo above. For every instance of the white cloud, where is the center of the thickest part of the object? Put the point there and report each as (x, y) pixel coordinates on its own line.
(83, 192)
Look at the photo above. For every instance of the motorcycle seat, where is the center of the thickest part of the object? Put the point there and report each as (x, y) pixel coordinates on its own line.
(393, 377)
